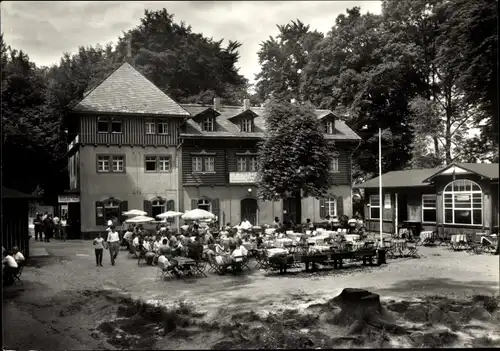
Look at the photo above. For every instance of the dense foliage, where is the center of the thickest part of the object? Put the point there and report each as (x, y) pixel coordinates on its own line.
(294, 158)
(187, 66)
(423, 70)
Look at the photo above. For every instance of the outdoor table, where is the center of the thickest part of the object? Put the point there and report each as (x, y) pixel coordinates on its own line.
(351, 237)
(398, 246)
(276, 251)
(427, 237)
(281, 242)
(317, 240)
(358, 245)
(270, 231)
(458, 238)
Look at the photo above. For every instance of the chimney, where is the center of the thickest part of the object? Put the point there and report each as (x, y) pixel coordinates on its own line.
(246, 104)
(216, 103)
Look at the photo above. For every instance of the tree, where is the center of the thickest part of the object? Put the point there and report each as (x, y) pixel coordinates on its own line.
(294, 155)
(282, 60)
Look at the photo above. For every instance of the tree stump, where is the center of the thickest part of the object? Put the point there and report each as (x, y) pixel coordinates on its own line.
(357, 304)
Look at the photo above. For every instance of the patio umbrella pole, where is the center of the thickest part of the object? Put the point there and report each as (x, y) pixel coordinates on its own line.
(380, 182)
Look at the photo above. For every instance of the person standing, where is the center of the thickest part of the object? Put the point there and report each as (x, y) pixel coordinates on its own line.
(38, 226)
(99, 249)
(113, 243)
(57, 229)
(48, 225)
(64, 225)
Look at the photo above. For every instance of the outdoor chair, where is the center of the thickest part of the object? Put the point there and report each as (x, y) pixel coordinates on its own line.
(163, 272)
(141, 257)
(245, 263)
(261, 260)
(199, 267)
(17, 275)
(412, 250)
(216, 267)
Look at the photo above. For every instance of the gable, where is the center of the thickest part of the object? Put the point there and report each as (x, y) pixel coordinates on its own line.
(455, 170)
(126, 91)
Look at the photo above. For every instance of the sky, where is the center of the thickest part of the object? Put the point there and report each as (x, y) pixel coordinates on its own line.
(45, 30)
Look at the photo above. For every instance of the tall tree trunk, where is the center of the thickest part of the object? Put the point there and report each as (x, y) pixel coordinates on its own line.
(298, 208)
(449, 116)
(436, 145)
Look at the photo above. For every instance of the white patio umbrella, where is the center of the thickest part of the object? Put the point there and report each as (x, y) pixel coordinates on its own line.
(197, 214)
(140, 219)
(169, 214)
(133, 213)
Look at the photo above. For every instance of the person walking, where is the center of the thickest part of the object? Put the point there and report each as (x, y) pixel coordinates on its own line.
(48, 225)
(99, 249)
(113, 244)
(64, 225)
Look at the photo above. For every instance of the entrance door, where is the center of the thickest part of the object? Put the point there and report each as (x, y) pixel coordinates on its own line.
(74, 220)
(290, 206)
(249, 210)
(402, 208)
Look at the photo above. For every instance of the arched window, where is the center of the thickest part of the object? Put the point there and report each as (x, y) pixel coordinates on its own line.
(205, 204)
(158, 205)
(463, 203)
(110, 209)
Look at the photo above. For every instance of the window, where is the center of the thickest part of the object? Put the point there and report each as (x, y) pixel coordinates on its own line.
(374, 207)
(162, 128)
(110, 163)
(150, 164)
(330, 206)
(157, 207)
(205, 204)
(203, 163)
(150, 127)
(253, 165)
(209, 164)
(112, 210)
(164, 163)
(329, 127)
(429, 208)
(197, 164)
(242, 164)
(102, 125)
(208, 124)
(334, 164)
(116, 126)
(246, 125)
(463, 203)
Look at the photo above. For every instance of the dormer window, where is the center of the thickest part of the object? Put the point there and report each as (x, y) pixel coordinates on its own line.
(246, 125)
(207, 124)
(329, 127)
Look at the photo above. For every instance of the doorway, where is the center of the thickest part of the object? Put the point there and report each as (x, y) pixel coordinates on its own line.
(290, 211)
(249, 210)
(74, 220)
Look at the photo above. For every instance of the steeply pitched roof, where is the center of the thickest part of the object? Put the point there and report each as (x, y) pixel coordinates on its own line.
(421, 177)
(224, 127)
(127, 91)
(399, 179)
(487, 170)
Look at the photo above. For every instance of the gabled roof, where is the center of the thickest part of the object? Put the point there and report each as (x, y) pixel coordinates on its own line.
(126, 91)
(421, 177)
(225, 128)
(400, 179)
(8, 193)
(487, 170)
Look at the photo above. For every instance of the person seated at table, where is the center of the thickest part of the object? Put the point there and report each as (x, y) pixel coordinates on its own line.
(128, 237)
(10, 268)
(141, 247)
(169, 264)
(195, 249)
(18, 256)
(136, 240)
(175, 246)
(259, 240)
(242, 248)
(309, 225)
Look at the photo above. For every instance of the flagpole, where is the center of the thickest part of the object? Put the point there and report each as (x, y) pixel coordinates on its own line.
(380, 183)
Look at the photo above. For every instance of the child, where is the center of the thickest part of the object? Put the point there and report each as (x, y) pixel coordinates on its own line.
(99, 249)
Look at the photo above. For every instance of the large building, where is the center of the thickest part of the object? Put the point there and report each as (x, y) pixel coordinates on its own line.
(131, 146)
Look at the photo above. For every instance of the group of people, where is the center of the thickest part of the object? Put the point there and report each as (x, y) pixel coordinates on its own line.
(12, 261)
(48, 226)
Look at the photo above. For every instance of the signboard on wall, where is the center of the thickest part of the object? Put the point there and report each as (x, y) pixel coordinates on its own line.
(387, 201)
(62, 199)
(242, 177)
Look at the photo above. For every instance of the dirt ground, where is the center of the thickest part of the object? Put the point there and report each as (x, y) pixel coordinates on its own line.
(68, 303)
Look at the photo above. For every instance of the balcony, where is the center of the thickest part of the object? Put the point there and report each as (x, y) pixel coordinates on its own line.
(242, 177)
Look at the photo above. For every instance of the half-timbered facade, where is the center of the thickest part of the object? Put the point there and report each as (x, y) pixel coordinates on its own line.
(132, 147)
(219, 165)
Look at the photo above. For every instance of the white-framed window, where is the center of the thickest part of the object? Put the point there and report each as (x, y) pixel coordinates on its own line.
(112, 210)
(116, 126)
(242, 164)
(102, 125)
(102, 163)
(150, 127)
(429, 208)
(110, 163)
(253, 164)
(208, 124)
(162, 127)
(246, 125)
(205, 204)
(374, 207)
(164, 163)
(118, 163)
(329, 127)
(334, 164)
(157, 207)
(150, 164)
(463, 203)
(209, 164)
(197, 164)
(330, 206)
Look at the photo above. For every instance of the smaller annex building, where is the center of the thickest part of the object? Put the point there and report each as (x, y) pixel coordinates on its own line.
(457, 198)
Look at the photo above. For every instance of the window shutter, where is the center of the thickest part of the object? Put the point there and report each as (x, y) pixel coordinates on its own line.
(99, 213)
(340, 206)
(322, 208)
(194, 204)
(170, 205)
(123, 208)
(148, 208)
(215, 207)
